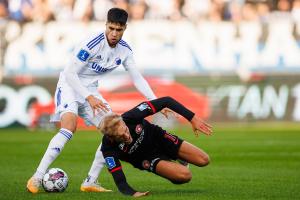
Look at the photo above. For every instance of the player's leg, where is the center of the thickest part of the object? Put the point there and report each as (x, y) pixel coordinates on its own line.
(193, 154)
(66, 113)
(175, 172)
(176, 148)
(55, 147)
(90, 184)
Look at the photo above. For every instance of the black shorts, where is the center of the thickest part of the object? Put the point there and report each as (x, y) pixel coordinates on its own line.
(166, 148)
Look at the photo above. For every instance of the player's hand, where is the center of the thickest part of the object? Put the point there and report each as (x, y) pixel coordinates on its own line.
(96, 104)
(140, 194)
(200, 126)
(168, 113)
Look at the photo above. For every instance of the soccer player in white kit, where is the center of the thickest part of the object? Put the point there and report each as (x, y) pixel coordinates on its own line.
(77, 93)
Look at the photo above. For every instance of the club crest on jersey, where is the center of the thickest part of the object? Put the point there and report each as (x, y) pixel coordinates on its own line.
(146, 164)
(143, 107)
(83, 55)
(118, 61)
(138, 128)
(110, 162)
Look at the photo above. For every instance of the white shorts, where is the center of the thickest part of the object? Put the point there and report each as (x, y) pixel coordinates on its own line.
(67, 100)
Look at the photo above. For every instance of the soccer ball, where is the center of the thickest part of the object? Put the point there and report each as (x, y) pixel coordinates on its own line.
(55, 180)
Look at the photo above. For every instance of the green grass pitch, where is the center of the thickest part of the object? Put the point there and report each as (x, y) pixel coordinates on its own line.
(247, 162)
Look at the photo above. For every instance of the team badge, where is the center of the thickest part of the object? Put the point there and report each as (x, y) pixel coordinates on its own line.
(83, 55)
(110, 162)
(118, 61)
(146, 164)
(138, 128)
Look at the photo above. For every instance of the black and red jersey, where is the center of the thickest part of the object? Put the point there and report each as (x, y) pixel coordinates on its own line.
(145, 138)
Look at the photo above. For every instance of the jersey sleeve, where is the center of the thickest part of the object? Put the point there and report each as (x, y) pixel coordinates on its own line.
(115, 168)
(148, 108)
(79, 59)
(129, 60)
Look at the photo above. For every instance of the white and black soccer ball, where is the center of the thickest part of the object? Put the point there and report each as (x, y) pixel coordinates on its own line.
(55, 180)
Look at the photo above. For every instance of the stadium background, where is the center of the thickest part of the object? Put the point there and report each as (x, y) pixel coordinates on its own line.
(236, 62)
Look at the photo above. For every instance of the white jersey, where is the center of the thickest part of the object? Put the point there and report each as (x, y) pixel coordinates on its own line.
(94, 58)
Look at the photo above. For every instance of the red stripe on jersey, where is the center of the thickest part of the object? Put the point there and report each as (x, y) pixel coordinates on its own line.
(116, 169)
(152, 107)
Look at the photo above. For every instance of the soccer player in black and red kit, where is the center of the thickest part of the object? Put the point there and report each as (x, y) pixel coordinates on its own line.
(133, 139)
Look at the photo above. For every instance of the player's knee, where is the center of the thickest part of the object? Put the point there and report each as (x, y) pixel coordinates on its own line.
(69, 122)
(186, 176)
(183, 176)
(69, 125)
(203, 160)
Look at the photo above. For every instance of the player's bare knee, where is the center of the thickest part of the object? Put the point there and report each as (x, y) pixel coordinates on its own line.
(187, 176)
(183, 176)
(69, 125)
(203, 160)
(69, 122)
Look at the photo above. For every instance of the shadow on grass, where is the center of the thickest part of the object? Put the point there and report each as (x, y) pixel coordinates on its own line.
(179, 192)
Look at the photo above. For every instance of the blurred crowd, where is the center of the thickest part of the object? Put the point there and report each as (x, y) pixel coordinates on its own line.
(194, 10)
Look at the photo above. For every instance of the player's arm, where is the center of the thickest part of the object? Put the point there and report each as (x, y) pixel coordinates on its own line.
(115, 168)
(148, 108)
(78, 61)
(119, 176)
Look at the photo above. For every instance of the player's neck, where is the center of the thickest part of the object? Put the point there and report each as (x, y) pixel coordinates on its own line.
(111, 46)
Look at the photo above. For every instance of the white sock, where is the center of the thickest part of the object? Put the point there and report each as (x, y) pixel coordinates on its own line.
(55, 147)
(96, 167)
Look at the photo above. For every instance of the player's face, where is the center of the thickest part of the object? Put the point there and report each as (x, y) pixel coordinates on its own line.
(123, 134)
(114, 33)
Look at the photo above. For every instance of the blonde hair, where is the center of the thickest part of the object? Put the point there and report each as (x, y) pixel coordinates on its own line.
(109, 125)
